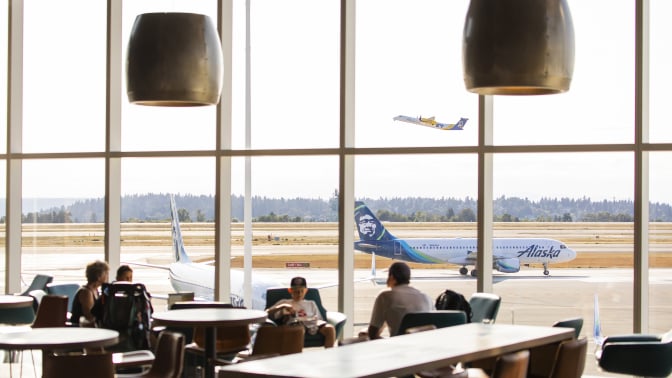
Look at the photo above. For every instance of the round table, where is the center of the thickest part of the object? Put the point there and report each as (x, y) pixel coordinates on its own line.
(20, 338)
(15, 301)
(210, 319)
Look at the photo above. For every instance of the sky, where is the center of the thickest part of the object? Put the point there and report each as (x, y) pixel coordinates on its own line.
(408, 62)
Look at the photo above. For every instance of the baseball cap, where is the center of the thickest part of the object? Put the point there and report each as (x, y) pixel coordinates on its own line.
(298, 282)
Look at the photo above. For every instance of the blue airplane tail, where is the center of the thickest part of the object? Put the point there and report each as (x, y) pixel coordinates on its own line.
(460, 124)
(368, 225)
(178, 244)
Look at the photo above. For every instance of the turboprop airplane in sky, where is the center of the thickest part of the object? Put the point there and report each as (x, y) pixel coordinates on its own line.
(430, 122)
(507, 256)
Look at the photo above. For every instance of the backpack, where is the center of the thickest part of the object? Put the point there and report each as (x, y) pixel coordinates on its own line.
(451, 300)
(126, 308)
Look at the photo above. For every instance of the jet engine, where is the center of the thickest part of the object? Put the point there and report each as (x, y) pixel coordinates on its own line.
(510, 265)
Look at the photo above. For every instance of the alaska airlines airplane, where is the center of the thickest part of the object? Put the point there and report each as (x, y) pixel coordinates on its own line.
(199, 278)
(430, 122)
(508, 253)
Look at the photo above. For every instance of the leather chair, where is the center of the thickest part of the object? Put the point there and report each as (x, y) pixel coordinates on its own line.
(97, 365)
(438, 318)
(637, 354)
(169, 358)
(278, 340)
(484, 306)
(570, 359)
(52, 312)
(512, 365)
(543, 358)
(67, 289)
(576, 323)
(337, 319)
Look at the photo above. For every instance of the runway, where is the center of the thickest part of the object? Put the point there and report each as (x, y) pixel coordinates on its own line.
(528, 297)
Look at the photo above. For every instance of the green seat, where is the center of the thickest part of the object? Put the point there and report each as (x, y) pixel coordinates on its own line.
(337, 319)
(484, 306)
(67, 289)
(438, 318)
(637, 354)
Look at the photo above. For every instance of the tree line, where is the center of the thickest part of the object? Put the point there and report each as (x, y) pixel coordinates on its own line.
(200, 208)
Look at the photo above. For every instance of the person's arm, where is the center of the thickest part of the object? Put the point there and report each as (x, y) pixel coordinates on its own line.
(377, 316)
(373, 332)
(279, 309)
(87, 301)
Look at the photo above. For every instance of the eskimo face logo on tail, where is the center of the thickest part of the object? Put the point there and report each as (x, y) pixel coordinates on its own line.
(368, 226)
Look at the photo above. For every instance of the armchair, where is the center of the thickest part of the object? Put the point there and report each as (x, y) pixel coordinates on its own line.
(335, 318)
(637, 354)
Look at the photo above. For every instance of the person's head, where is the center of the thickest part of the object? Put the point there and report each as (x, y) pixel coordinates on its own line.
(298, 288)
(367, 225)
(398, 274)
(97, 272)
(125, 273)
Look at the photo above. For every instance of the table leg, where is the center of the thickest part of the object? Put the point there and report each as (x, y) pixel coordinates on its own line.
(210, 351)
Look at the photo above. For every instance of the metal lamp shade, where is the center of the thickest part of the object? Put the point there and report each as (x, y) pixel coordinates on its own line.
(174, 59)
(518, 47)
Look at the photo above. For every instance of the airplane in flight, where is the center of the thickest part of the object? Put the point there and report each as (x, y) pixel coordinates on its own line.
(508, 253)
(431, 122)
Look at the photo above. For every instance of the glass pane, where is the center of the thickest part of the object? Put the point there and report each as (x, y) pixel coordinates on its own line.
(64, 76)
(584, 202)
(603, 79)
(63, 210)
(4, 35)
(3, 215)
(660, 243)
(294, 72)
(425, 197)
(293, 223)
(146, 185)
(660, 73)
(409, 62)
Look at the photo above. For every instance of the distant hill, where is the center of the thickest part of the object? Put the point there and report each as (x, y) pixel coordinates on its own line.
(156, 207)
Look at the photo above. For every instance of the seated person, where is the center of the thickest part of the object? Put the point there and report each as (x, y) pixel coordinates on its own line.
(86, 297)
(298, 309)
(391, 305)
(124, 273)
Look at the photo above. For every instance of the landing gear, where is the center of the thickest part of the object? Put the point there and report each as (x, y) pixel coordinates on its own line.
(546, 272)
(474, 273)
(464, 271)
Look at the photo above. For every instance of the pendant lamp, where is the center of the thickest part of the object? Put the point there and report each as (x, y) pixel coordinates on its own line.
(518, 47)
(174, 59)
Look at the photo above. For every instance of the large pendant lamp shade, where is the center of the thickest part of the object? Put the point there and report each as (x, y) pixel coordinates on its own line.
(518, 47)
(174, 59)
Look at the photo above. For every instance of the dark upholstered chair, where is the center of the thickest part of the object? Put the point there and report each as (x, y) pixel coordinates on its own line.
(484, 306)
(337, 319)
(97, 365)
(575, 323)
(278, 340)
(39, 282)
(438, 318)
(543, 358)
(52, 312)
(169, 358)
(637, 354)
(67, 289)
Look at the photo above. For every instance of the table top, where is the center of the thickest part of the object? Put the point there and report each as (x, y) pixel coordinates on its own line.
(25, 337)
(209, 317)
(406, 354)
(14, 301)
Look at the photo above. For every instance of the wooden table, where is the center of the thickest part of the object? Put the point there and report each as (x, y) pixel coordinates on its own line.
(406, 354)
(210, 319)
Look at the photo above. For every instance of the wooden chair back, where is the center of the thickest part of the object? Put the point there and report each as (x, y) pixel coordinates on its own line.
(278, 340)
(97, 365)
(570, 360)
(512, 365)
(169, 356)
(52, 312)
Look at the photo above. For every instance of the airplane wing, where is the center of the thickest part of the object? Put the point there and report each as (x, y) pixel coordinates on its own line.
(164, 267)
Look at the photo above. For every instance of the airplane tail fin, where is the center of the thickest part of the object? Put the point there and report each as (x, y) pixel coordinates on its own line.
(597, 327)
(178, 244)
(460, 124)
(369, 226)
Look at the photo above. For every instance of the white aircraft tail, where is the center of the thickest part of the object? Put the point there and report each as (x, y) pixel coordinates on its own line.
(179, 253)
(597, 327)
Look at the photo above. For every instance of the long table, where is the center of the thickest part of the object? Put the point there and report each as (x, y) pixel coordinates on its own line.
(406, 354)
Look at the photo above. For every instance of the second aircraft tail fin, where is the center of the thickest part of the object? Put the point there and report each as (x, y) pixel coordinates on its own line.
(179, 253)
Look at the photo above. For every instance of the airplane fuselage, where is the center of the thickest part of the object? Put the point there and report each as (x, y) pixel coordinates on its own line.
(462, 251)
